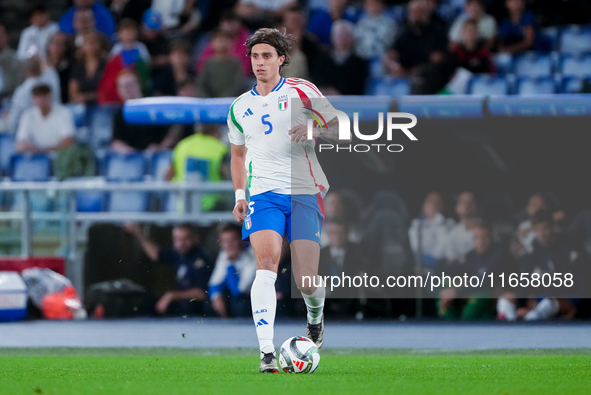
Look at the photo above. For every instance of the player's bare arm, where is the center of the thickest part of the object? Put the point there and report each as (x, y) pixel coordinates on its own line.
(239, 178)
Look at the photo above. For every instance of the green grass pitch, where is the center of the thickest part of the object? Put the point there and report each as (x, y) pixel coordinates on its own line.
(341, 371)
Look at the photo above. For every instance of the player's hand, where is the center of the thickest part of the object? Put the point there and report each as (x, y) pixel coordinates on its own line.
(299, 134)
(240, 210)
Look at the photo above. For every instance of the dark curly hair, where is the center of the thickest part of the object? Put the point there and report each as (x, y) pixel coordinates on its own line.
(282, 42)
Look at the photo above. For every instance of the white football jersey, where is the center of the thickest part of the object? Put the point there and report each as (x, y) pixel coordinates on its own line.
(273, 162)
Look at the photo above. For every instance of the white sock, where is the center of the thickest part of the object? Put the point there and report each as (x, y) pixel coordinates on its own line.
(506, 309)
(264, 305)
(315, 305)
(547, 308)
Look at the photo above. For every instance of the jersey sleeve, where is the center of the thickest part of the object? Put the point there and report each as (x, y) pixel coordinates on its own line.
(311, 97)
(235, 131)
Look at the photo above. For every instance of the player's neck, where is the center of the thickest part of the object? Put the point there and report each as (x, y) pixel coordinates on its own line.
(264, 88)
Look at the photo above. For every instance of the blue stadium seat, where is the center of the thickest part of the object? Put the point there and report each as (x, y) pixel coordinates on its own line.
(535, 86)
(548, 38)
(119, 167)
(532, 64)
(575, 65)
(503, 63)
(126, 168)
(571, 85)
(159, 163)
(7, 149)
(575, 39)
(25, 167)
(489, 85)
(128, 202)
(90, 202)
(394, 87)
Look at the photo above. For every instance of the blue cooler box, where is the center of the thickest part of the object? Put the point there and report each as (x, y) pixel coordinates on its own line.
(13, 297)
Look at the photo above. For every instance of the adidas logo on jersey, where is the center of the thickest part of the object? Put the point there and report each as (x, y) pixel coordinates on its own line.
(247, 113)
(262, 322)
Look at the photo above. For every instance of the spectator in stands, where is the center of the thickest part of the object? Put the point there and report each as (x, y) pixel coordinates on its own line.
(84, 22)
(420, 42)
(231, 24)
(261, 13)
(294, 22)
(127, 34)
(459, 240)
(125, 60)
(222, 74)
(88, 69)
(525, 231)
(487, 25)
(23, 98)
(340, 71)
(34, 39)
(132, 9)
(192, 263)
(180, 18)
(433, 18)
(343, 205)
(517, 32)
(341, 257)
(166, 82)
(11, 75)
(321, 20)
(428, 233)
(375, 31)
(202, 147)
(187, 88)
(128, 138)
(45, 127)
(103, 18)
(232, 277)
(486, 257)
(472, 53)
(551, 253)
(59, 56)
(152, 35)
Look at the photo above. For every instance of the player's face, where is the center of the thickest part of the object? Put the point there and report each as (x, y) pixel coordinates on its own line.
(265, 62)
(183, 240)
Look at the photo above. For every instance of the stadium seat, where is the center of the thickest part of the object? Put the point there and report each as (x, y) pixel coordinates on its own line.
(30, 167)
(126, 168)
(394, 87)
(159, 163)
(128, 201)
(575, 65)
(548, 39)
(536, 86)
(7, 149)
(118, 167)
(532, 64)
(571, 85)
(488, 85)
(90, 202)
(503, 63)
(575, 39)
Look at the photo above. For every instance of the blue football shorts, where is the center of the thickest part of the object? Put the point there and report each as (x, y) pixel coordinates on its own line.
(296, 217)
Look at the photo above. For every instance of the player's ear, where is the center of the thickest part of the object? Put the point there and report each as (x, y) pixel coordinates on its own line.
(282, 59)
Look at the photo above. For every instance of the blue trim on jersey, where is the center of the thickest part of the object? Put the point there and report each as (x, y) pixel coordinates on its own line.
(277, 87)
